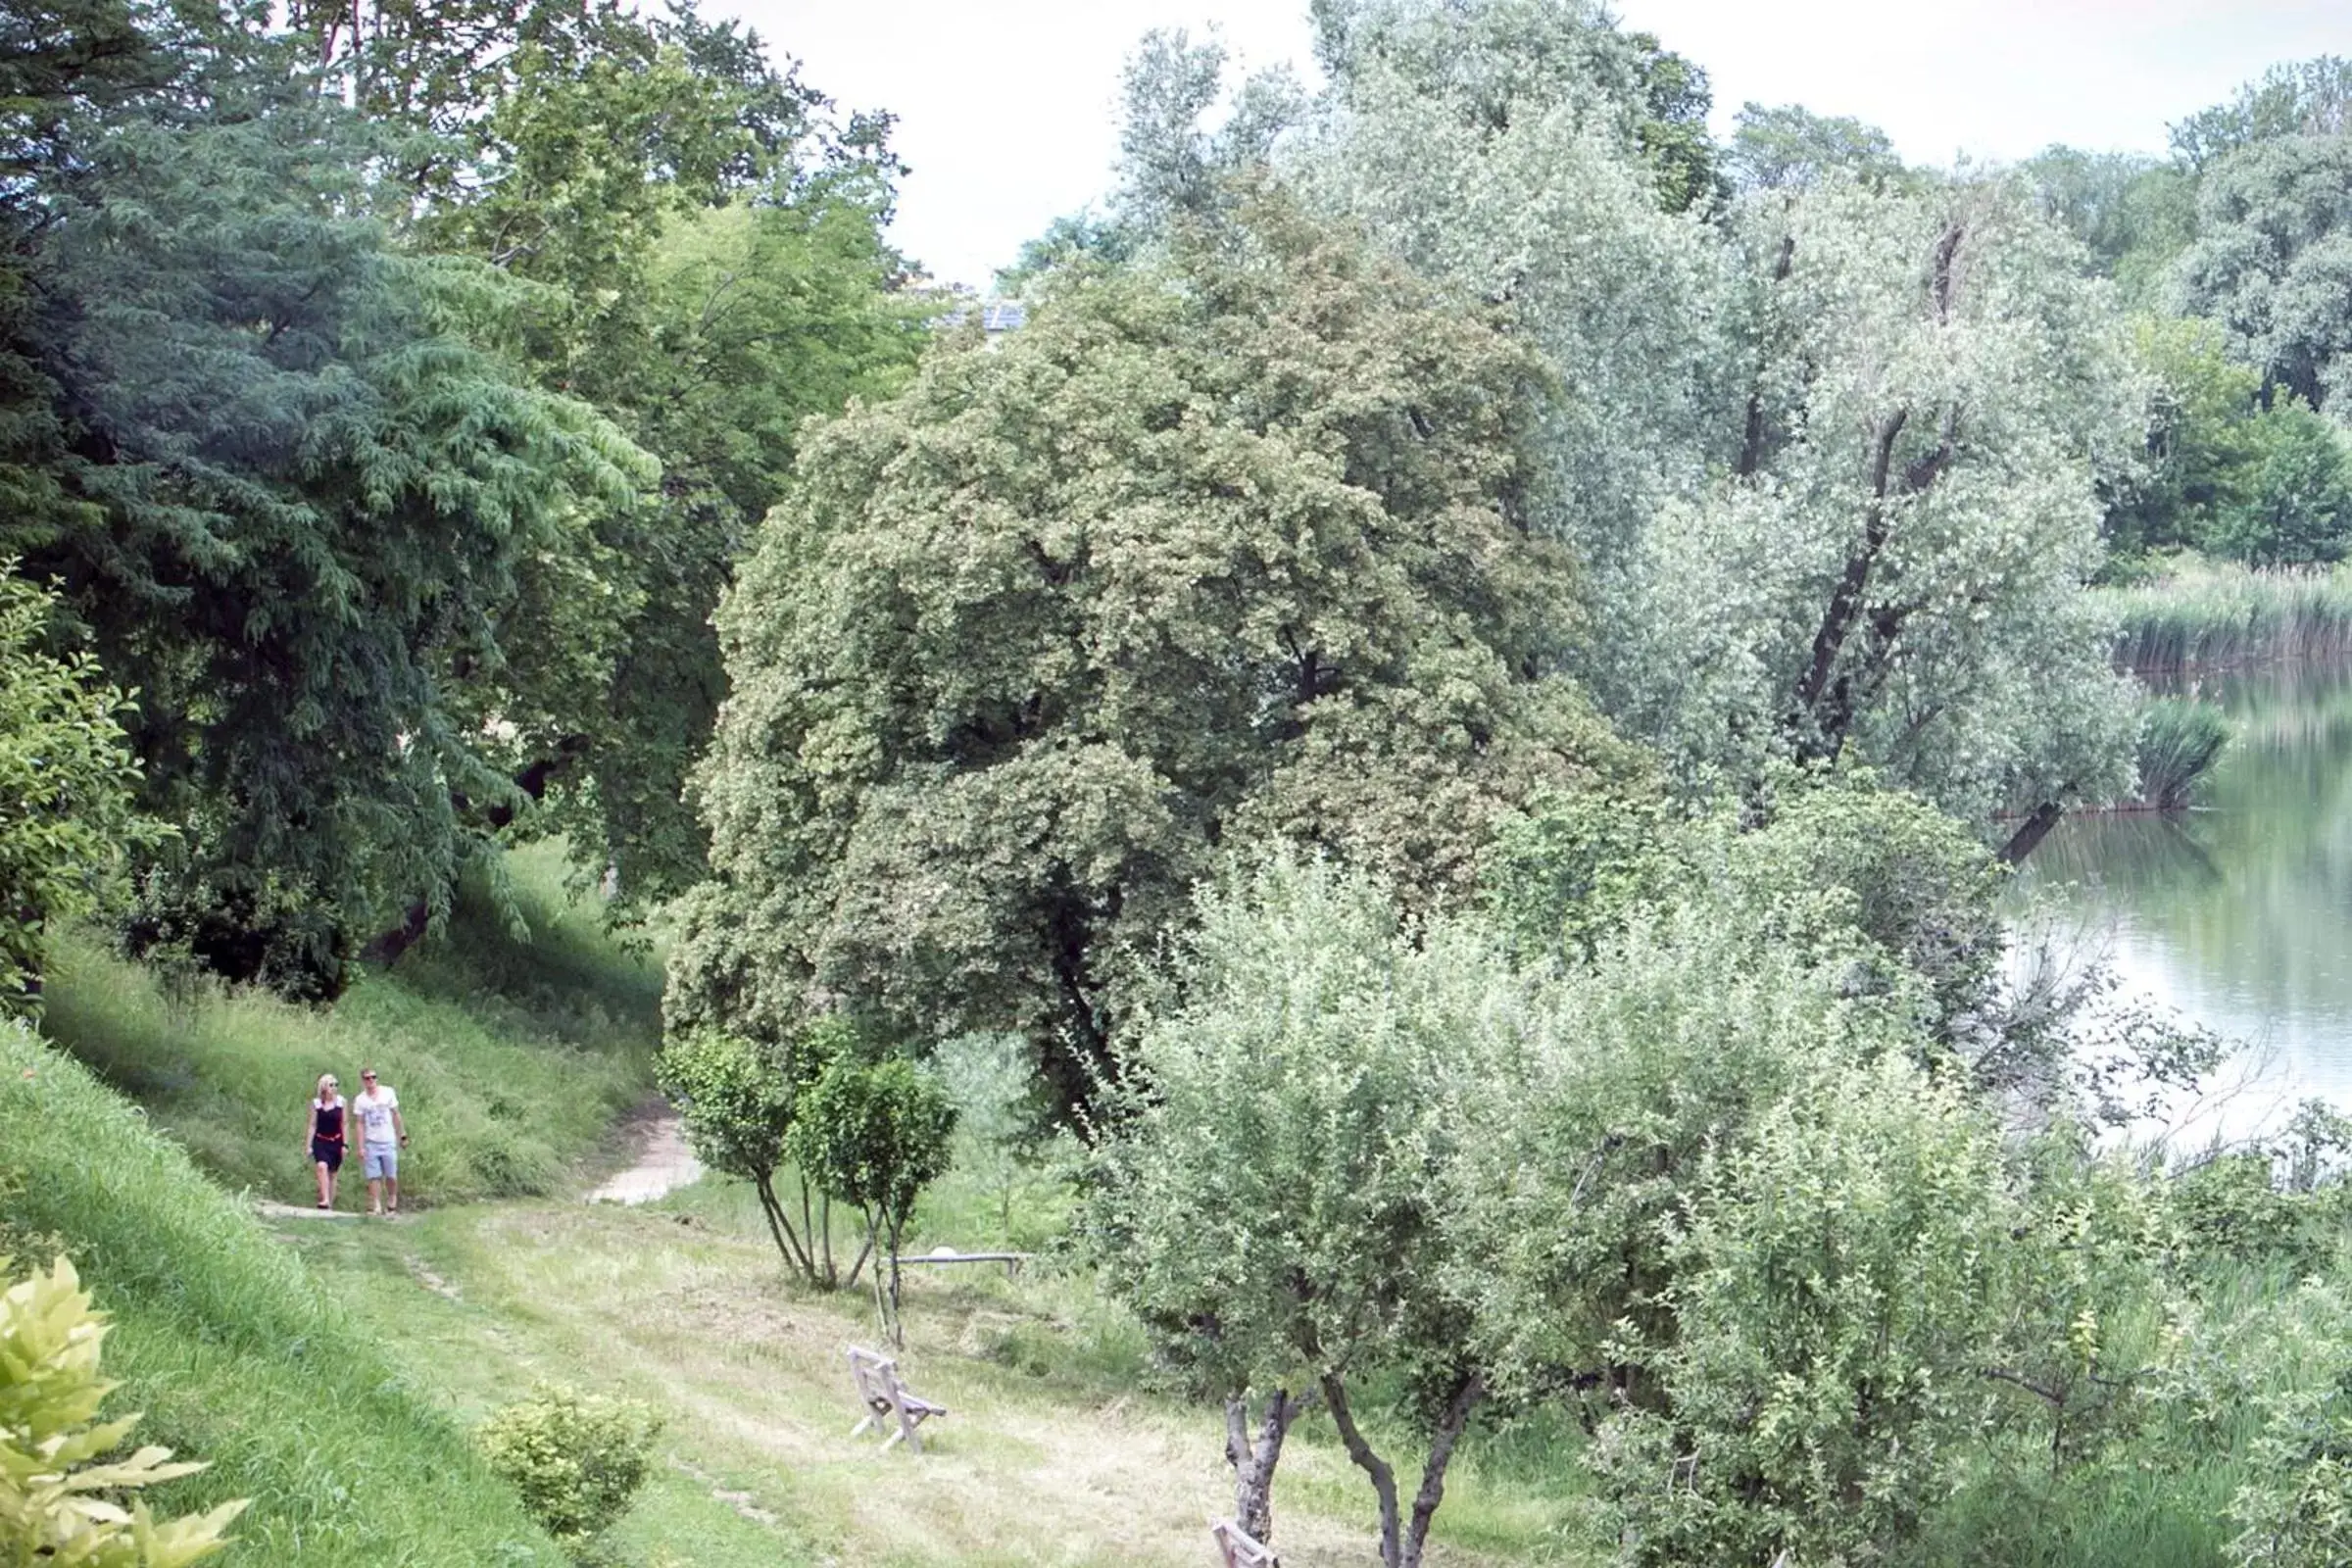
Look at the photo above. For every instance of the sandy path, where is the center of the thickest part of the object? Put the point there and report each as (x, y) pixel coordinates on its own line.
(663, 1163)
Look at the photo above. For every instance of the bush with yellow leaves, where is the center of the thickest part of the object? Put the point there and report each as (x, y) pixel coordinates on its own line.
(57, 1487)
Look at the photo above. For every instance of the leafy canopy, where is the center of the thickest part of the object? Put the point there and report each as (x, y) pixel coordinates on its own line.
(1211, 553)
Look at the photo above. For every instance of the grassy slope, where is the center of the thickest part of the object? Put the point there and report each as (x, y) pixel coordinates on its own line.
(232, 1350)
(511, 1057)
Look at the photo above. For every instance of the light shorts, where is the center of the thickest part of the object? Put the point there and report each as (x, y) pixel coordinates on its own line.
(382, 1161)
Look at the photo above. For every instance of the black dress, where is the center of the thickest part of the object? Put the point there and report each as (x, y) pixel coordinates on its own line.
(326, 1135)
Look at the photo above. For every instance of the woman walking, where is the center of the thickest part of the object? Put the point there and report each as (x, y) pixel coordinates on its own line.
(326, 1138)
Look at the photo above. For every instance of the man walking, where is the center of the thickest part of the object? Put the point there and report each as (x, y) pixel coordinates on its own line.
(382, 1136)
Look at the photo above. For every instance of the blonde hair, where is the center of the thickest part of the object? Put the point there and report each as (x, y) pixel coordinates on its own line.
(325, 1080)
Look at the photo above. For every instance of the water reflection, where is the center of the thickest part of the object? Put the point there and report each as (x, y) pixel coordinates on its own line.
(2240, 913)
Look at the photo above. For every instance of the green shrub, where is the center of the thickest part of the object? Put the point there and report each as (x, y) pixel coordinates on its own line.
(2294, 1508)
(2180, 738)
(65, 781)
(1833, 1300)
(577, 1460)
(58, 1493)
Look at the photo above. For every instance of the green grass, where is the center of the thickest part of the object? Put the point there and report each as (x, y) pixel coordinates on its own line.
(2205, 615)
(1059, 1449)
(512, 1052)
(232, 1349)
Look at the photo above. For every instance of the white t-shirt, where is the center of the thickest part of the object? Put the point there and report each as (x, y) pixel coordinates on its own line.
(375, 1108)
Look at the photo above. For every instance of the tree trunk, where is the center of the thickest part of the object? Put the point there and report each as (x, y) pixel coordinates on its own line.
(1253, 1460)
(1384, 1478)
(1466, 1395)
(865, 1248)
(780, 1227)
(2031, 832)
(1838, 618)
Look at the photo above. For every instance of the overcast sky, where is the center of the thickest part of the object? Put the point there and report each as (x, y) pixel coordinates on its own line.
(1008, 108)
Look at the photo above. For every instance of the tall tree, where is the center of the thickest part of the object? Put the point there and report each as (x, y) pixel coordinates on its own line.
(702, 232)
(2305, 98)
(1790, 147)
(1211, 553)
(1494, 147)
(2273, 259)
(305, 502)
(1282, 1204)
(1893, 567)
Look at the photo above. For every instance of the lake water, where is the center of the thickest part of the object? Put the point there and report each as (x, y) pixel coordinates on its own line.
(2239, 913)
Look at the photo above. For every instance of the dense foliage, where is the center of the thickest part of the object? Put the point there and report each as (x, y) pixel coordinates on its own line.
(66, 784)
(384, 452)
(1211, 553)
(1457, 704)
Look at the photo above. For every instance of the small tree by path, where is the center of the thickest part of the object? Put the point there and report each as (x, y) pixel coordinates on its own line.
(1281, 1205)
(740, 1102)
(874, 1136)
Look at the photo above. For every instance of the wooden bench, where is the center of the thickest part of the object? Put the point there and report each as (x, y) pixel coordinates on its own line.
(1237, 1549)
(886, 1400)
(1013, 1261)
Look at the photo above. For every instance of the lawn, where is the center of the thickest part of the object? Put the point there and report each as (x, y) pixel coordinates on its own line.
(1057, 1449)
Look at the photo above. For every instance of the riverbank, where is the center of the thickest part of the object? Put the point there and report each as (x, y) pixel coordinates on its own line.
(2202, 616)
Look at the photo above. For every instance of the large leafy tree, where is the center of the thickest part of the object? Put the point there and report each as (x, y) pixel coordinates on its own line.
(702, 237)
(1225, 550)
(2273, 259)
(1497, 147)
(1790, 147)
(303, 503)
(2135, 213)
(2202, 436)
(2303, 98)
(1283, 1206)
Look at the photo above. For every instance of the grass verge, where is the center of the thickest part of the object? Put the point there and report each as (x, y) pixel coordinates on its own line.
(232, 1349)
(1057, 1449)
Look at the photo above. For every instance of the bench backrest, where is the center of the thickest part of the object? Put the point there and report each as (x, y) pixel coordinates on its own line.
(877, 1377)
(1238, 1549)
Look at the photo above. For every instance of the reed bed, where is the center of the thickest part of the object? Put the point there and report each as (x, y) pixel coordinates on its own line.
(2216, 615)
(2180, 738)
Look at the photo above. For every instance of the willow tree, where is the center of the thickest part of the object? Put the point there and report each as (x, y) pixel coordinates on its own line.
(1218, 550)
(1500, 147)
(1892, 567)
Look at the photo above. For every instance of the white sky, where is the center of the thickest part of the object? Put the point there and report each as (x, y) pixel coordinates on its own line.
(1008, 108)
